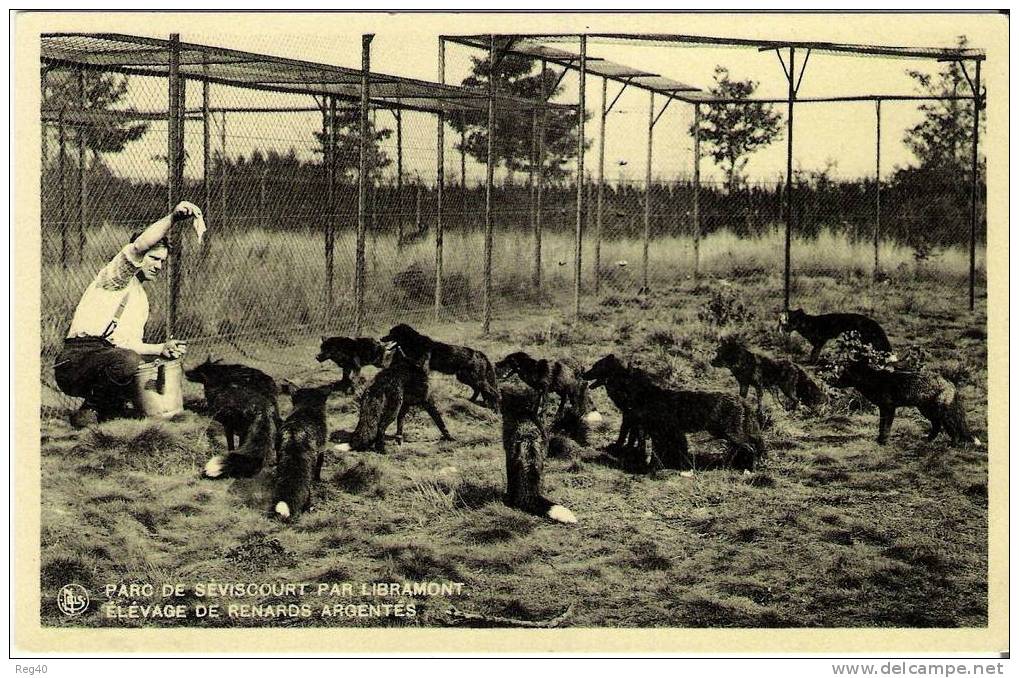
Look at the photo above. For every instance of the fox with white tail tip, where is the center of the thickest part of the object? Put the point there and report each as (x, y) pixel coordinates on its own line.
(526, 443)
(301, 453)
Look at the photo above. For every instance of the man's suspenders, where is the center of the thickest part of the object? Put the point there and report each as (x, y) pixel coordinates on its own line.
(111, 328)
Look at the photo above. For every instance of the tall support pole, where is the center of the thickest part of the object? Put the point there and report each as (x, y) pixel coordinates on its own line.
(789, 177)
(578, 237)
(877, 194)
(531, 186)
(329, 159)
(43, 77)
(399, 179)
(440, 183)
(486, 322)
(174, 157)
(222, 167)
(62, 185)
(206, 155)
(696, 190)
(540, 188)
(463, 154)
(974, 190)
(82, 161)
(647, 192)
(362, 186)
(599, 208)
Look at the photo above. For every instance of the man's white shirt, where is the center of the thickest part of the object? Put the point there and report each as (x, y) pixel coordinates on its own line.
(99, 303)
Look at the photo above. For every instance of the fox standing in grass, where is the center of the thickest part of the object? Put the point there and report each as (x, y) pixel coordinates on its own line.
(468, 365)
(228, 388)
(351, 354)
(525, 444)
(391, 394)
(546, 377)
(935, 397)
(820, 329)
(303, 436)
(257, 417)
(764, 373)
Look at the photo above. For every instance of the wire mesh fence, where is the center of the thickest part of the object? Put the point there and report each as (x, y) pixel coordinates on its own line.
(277, 173)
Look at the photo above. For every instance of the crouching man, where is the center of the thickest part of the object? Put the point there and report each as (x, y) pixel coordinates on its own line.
(105, 344)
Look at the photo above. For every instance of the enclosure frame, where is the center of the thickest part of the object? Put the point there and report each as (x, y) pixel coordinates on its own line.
(526, 45)
(180, 62)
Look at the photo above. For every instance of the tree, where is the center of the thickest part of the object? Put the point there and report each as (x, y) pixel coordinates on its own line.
(733, 132)
(348, 146)
(514, 131)
(102, 92)
(943, 139)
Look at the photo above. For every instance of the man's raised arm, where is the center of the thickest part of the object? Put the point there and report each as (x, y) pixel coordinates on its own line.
(158, 229)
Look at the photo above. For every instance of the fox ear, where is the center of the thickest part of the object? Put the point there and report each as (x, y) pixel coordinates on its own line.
(324, 337)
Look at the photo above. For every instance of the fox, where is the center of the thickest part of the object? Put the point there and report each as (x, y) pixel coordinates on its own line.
(935, 397)
(764, 373)
(820, 329)
(622, 383)
(226, 389)
(525, 444)
(257, 418)
(468, 365)
(301, 453)
(390, 396)
(667, 415)
(546, 377)
(351, 354)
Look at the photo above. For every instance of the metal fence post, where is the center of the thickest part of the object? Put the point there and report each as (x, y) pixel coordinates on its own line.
(362, 185)
(599, 214)
(696, 190)
(974, 190)
(222, 168)
(540, 188)
(486, 322)
(578, 242)
(877, 196)
(62, 183)
(440, 183)
(206, 156)
(399, 179)
(175, 166)
(647, 191)
(328, 158)
(82, 162)
(789, 178)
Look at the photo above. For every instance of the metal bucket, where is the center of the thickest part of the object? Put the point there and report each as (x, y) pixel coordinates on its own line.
(159, 388)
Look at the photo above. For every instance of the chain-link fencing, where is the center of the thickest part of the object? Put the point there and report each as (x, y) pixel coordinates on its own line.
(450, 236)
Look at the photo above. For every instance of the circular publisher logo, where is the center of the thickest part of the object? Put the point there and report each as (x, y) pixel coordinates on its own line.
(72, 599)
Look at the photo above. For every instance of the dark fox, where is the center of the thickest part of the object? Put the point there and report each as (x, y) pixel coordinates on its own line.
(351, 354)
(935, 397)
(469, 366)
(548, 377)
(670, 414)
(227, 389)
(667, 415)
(623, 385)
(820, 329)
(214, 370)
(392, 393)
(525, 443)
(303, 436)
(256, 417)
(764, 373)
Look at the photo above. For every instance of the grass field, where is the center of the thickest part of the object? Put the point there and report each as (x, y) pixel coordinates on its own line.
(835, 530)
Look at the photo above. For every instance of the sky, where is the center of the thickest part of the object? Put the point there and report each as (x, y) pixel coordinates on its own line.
(839, 136)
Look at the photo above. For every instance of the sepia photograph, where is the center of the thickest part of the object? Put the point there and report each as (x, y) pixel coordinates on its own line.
(570, 323)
